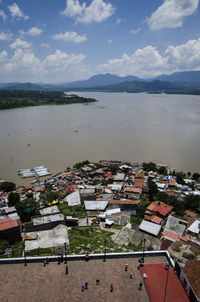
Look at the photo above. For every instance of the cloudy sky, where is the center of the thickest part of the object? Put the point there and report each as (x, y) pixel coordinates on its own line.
(65, 40)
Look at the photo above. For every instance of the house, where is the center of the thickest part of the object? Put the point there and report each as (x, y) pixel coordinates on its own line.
(125, 205)
(132, 193)
(95, 205)
(150, 228)
(160, 208)
(194, 229)
(191, 272)
(175, 225)
(10, 230)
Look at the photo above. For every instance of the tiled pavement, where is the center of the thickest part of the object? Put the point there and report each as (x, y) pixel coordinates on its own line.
(35, 283)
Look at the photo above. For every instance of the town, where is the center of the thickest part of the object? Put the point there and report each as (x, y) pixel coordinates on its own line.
(104, 207)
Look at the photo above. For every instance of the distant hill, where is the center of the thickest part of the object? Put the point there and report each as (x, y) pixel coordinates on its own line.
(184, 76)
(21, 86)
(155, 86)
(100, 80)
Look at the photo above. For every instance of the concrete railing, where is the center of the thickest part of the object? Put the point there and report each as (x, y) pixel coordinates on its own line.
(91, 257)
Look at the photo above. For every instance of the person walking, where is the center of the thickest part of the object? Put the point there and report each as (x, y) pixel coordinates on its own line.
(126, 267)
(111, 287)
(86, 285)
(140, 285)
(82, 287)
(131, 276)
(66, 269)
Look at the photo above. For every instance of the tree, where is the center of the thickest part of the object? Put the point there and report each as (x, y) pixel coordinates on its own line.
(162, 170)
(114, 169)
(26, 209)
(7, 186)
(192, 202)
(142, 208)
(149, 166)
(196, 176)
(180, 178)
(153, 189)
(48, 196)
(13, 199)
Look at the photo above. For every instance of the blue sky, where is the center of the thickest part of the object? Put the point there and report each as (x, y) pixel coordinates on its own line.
(66, 40)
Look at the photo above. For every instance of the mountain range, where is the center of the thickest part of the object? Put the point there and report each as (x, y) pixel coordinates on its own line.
(178, 82)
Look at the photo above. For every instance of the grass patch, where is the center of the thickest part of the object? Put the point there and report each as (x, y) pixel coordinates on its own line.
(41, 252)
(117, 227)
(77, 211)
(17, 248)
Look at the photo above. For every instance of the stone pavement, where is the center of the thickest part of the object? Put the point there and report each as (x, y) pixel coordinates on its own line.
(35, 283)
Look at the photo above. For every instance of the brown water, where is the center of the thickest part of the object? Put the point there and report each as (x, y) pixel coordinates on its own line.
(133, 127)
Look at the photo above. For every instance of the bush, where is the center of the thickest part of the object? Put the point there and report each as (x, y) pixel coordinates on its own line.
(7, 186)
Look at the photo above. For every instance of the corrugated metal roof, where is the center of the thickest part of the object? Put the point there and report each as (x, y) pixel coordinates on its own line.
(150, 227)
(95, 205)
(125, 201)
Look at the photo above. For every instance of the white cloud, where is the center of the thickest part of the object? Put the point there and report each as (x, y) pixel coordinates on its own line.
(171, 13)
(5, 36)
(148, 62)
(70, 36)
(135, 31)
(16, 12)
(57, 67)
(97, 11)
(18, 43)
(3, 56)
(3, 15)
(33, 31)
(110, 41)
(118, 21)
(45, 45)
(185, 56)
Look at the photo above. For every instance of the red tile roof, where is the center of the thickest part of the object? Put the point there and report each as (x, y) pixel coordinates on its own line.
(156, 219)
(7, 223)
(133, 190)
(160, 207)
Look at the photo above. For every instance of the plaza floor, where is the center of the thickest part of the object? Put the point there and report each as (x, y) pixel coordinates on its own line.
(36, 283)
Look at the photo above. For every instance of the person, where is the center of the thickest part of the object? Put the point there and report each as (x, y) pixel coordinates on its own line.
(126, 267)
(86, 285)
(140, 285)
(167, 265)
(145, 275)
(47, 260)
(44, 262)
(82, 287)
(111, 287)
(66, 269)
(131, 276)
(58, 260)
(61, 257)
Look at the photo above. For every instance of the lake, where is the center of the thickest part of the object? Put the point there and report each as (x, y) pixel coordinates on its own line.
(120, 126)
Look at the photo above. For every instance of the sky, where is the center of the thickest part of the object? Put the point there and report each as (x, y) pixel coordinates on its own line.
(58, 41)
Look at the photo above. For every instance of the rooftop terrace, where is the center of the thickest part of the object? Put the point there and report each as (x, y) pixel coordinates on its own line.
(34, 282)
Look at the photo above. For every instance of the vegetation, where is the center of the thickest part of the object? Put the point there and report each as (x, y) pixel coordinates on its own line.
(24, 98)
(26, 209)
(7, 186)
(77, 211)
(149, 166)
(17, 248)
(162, 171)
(41, 252)
(13, 198)
(81, 164)
(114, 169)
(153, 189)
(196, 176)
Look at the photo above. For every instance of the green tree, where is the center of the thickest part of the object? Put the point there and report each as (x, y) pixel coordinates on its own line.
(7, 186)
(192, 202)
(48, 196)
(162, 170)
(13, 199)
(114, 169)
(149, 166)
(196, 176)
(142, 208)
(26, 209)
(180, 178)
(153, 189)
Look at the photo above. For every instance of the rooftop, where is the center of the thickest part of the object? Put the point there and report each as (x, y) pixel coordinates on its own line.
(35, 283)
